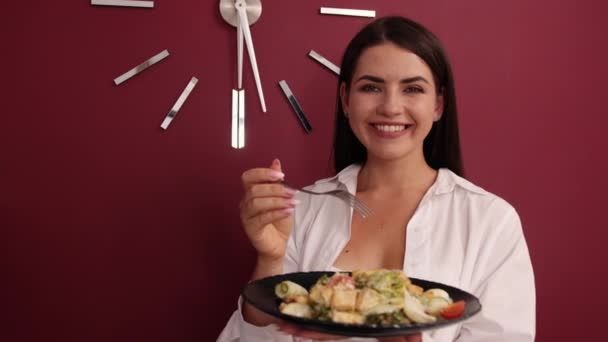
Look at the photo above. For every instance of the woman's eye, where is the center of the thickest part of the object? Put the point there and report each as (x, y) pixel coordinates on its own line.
(369, 88)
(413, 90)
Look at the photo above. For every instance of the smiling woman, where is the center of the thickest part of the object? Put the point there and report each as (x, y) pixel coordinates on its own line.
(425, 55)
(397, 149)
(392, 102)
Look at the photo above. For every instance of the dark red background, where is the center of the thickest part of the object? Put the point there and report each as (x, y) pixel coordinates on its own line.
(113, 230)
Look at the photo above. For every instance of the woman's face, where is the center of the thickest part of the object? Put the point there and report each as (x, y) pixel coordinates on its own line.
(392, 102)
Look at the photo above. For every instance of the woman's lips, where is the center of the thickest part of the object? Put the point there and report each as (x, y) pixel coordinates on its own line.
(390, 130)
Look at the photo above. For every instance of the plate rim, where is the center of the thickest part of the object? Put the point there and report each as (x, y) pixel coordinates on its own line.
(352, 330)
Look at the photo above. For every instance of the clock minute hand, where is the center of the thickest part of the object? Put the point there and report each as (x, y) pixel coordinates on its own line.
(239, 52)
(244, 24)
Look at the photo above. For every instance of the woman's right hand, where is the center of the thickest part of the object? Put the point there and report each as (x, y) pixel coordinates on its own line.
(266, 212)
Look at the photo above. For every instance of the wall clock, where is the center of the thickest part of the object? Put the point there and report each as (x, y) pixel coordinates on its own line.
(240, 14)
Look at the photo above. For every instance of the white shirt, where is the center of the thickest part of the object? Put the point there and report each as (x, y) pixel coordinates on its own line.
(460, 235)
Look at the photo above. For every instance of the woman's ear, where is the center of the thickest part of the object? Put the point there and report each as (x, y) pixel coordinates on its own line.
(439, 105)
(344, 97)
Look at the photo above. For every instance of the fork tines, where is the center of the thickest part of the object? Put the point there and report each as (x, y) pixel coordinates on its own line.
(355, 203)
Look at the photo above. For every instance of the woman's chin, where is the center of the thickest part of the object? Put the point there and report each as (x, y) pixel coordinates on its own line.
(389, 155)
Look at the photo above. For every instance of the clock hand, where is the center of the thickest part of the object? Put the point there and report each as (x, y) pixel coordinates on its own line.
(239, 52)
(244, 23)
(231, 11)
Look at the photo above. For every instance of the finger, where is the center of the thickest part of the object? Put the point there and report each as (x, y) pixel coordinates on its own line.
(260, 175)
(268, 217)
(293, 330)
(288, 329)
(276, 165)
(268, 190)
(414, 338)
(256, 206)
(408, 338)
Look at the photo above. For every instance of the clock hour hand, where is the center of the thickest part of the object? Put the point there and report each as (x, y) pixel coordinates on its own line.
(243, 25)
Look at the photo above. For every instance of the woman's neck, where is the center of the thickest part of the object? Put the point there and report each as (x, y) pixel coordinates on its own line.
(395, 176)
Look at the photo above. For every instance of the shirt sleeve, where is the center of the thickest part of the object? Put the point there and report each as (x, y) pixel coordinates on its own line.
(504, 283)
(239, 330)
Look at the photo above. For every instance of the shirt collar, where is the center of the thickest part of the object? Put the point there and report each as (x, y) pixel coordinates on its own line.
(345, 178)
(445, 183)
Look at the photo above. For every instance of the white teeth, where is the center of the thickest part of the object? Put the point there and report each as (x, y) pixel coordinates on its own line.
(390, 128)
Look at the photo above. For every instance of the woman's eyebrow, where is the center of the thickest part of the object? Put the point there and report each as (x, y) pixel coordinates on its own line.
(414, 79)
(380, 80)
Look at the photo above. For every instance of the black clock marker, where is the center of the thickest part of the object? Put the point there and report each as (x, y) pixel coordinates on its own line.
(296, 106)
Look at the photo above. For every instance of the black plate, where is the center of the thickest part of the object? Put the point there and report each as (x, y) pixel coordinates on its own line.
(260, 294)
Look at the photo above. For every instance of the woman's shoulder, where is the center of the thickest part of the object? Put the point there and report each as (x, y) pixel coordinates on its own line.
(448, 181)
(482, 214)
(465, 190)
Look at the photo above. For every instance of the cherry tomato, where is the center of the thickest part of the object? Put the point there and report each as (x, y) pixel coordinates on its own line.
(453, 310)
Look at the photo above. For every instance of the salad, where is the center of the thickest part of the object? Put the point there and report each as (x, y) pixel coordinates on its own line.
(375, 297)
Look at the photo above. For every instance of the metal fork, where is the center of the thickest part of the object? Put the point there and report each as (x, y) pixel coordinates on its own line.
(343, 195)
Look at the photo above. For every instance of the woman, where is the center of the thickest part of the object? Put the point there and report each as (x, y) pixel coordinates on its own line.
(396, 147)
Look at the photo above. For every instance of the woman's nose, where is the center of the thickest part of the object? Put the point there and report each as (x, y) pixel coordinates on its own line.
(391, 104)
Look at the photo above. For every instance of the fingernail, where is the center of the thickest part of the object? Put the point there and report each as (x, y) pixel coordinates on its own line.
(276, 175)
(285, 329)
(293, 202)
(290, 191)
(281, 331)
(288, 210)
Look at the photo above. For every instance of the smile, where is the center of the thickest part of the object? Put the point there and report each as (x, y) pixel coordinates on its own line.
(390, 128)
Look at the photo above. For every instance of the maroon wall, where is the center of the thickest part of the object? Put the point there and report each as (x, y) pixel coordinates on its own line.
(113, 230)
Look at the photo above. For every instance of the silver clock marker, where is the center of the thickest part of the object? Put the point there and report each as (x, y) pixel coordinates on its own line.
(123, 3)
(178, 104)
(238, 118)
(326, 63)
(143, 66)
(349, 12)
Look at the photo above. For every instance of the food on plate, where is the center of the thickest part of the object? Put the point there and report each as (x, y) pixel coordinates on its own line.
(372, 297)
(454, 310)
(289, 289)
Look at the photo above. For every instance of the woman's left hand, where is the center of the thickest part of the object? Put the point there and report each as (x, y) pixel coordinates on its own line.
(408, 338)
(313, 335)
(296, 331)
